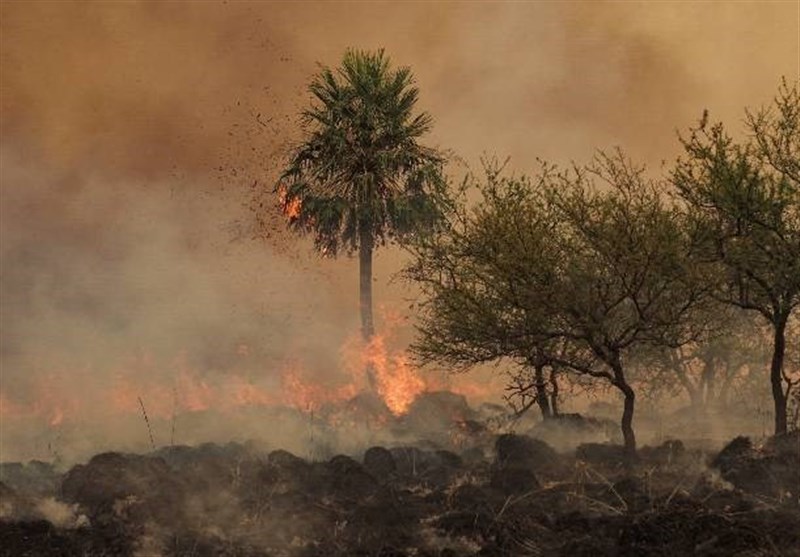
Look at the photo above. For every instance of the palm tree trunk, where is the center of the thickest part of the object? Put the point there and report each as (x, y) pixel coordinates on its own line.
(365, 247)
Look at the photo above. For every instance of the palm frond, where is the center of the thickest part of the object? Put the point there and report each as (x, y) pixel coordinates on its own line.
(360, 165)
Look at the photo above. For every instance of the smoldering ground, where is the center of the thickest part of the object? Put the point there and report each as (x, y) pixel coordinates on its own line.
(134, 134)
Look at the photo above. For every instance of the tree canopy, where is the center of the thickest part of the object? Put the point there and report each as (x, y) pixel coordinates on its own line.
(744, 198)
(360, 173)
(578, 268)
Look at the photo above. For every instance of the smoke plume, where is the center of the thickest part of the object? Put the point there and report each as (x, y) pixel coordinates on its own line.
(134, 136)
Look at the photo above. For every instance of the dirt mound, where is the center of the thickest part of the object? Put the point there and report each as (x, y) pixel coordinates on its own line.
(567, 431)
(14, 505)
(603, 455)
(736, 451)
(772, 471)
(364, 408)
(34, 478)
(692, 530)
(113, 485)
(441, 417)
(434, 468)
(38, 538)
(284, 472)
(438, 410)
(667, 453)
(787, 444)
(521, 451)
(342, 478)
(518, 460)
(379, 462)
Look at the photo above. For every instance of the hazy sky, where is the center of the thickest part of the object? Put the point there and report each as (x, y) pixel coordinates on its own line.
(134, 135)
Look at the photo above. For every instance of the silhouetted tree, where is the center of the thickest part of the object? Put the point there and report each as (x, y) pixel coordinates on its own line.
(704, 371)
(561, 270)
(745, 199)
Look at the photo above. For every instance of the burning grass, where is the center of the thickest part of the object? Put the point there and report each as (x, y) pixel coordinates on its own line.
(176, 388)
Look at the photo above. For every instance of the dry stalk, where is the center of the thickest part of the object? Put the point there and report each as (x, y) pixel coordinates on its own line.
(174, 416)
(147, 422)
(610, 486)
(601, 504)
(673, 493)
(503, 509)
(511, 501)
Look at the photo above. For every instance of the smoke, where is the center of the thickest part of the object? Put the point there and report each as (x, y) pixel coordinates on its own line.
(134, 135)
(151, 88)
(104, 289)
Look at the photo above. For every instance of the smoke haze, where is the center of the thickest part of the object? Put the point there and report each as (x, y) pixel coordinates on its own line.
(134, 135)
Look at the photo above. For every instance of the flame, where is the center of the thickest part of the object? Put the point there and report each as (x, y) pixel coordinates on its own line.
(289, 206)
(247, 393)
(170, 385)
(57, 417)
(311, 397)
(396, 380)
(190, 392)
(49, 402)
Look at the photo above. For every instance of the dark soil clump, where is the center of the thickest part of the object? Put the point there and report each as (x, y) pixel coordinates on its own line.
(420, 501)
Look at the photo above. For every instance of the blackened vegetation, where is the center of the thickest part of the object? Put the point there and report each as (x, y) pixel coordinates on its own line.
(772, 471)
(502, 494)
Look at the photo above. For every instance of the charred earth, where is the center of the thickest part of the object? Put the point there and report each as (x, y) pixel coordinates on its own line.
(466, 489)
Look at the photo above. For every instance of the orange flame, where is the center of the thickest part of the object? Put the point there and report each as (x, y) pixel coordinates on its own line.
(289, 206)
(246, 393)
(170, 386)
(50, 403)
(396, 380)
(310, 397)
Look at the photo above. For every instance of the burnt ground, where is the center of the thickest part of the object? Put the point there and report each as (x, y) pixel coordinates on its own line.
(484, 495)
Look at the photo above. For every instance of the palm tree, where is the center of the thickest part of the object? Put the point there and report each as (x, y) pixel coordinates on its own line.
(360, 177)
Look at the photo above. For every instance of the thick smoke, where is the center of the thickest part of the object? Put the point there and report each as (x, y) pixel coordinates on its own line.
(134, 136)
